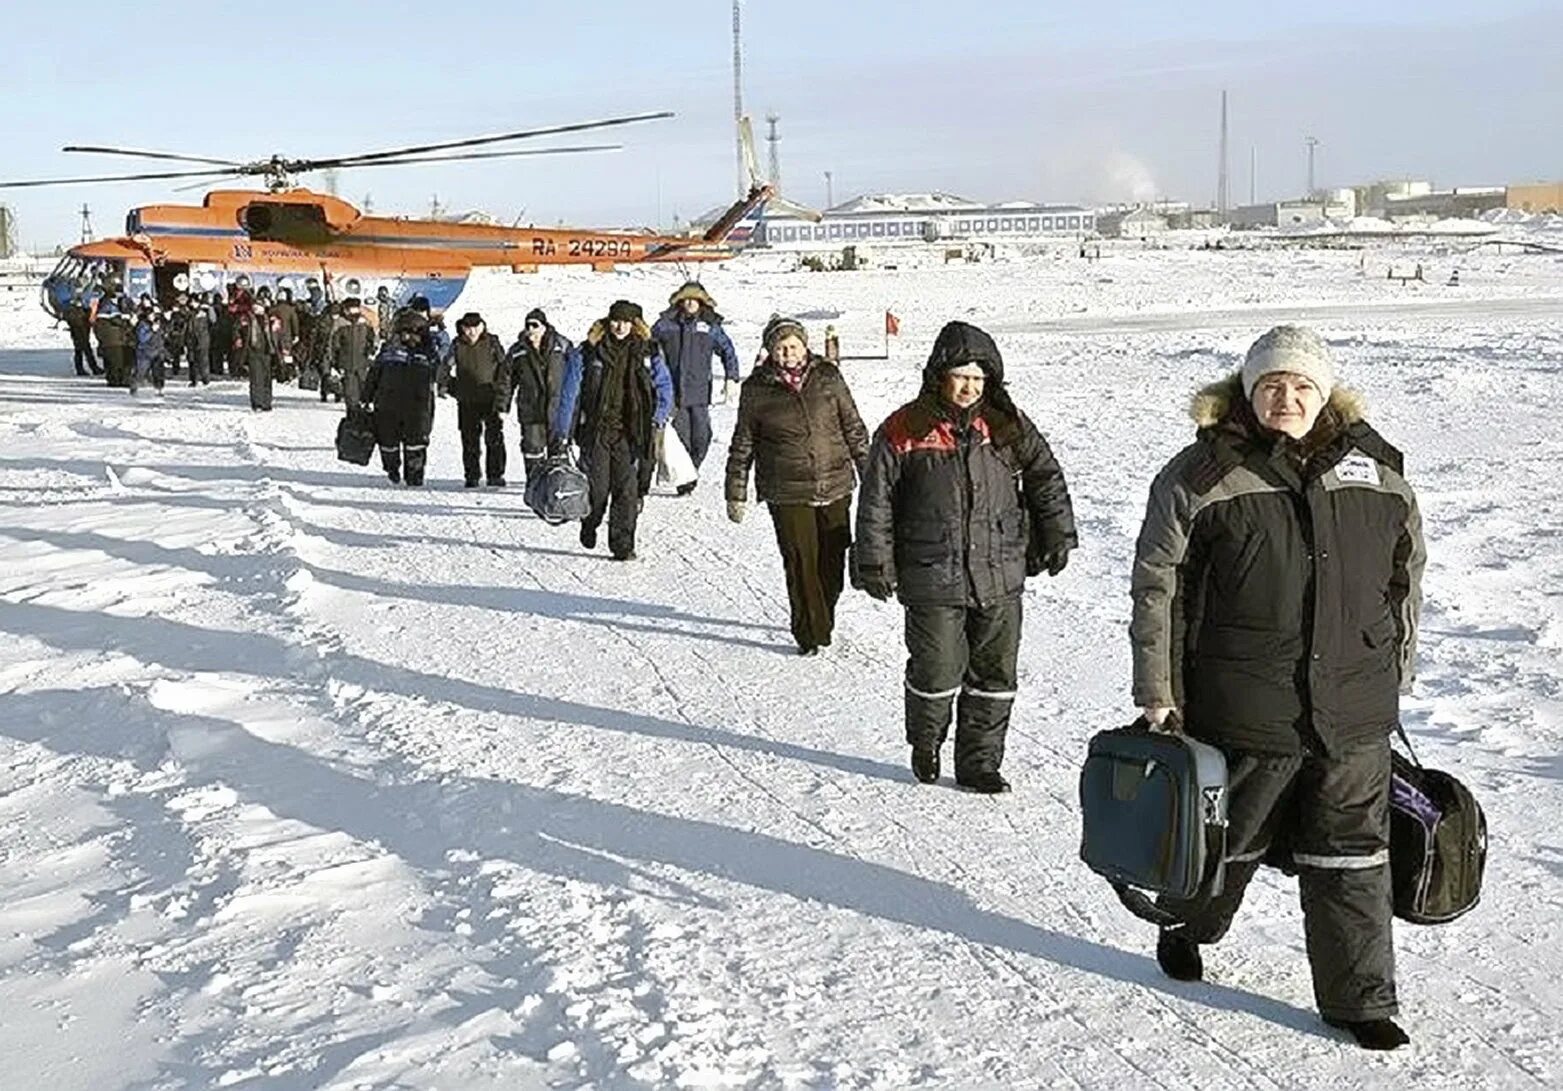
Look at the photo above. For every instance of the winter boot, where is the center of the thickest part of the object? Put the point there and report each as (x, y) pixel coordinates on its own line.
(1178, 957)
(986, 782)
(588, 536)
(1380, 1034)
(925, 764)
(686, 488)
(471, 483)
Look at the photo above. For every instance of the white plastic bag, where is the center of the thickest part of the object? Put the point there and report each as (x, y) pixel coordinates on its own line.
(675, 468)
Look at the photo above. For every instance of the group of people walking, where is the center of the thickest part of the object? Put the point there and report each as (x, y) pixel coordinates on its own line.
(1275, 584)
(255, 334)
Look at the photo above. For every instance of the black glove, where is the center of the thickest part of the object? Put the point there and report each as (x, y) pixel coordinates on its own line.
(877, 583)
(1055, 559)
(558, 448)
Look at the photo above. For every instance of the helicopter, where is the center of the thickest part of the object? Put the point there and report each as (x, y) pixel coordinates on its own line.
(288, 236)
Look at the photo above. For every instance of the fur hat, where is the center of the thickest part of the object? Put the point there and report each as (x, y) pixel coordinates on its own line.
(1293, 349)
(624, 311)
(471, 318)
(782, 326)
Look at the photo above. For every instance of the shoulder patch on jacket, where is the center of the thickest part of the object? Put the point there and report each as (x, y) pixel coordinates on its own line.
(1357, 469)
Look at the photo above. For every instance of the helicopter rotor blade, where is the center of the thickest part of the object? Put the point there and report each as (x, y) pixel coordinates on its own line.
(99, 150)
(31, 182)
(208, 183)
(517, 153)
(300, 165)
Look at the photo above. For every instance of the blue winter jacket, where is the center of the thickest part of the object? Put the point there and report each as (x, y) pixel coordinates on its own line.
(688, 344)
(566, 418)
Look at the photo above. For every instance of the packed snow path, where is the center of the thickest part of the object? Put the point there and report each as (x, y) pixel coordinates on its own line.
(312, 782)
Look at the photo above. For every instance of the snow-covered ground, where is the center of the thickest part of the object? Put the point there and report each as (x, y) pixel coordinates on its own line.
(309, 782)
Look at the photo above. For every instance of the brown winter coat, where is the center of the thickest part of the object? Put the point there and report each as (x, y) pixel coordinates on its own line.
(804, 445)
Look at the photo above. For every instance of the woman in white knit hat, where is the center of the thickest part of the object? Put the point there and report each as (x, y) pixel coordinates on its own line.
(1276, 589)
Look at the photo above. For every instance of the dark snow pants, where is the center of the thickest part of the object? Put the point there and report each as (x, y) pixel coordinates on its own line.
(813, 543)
(1332, 814)
(968, 652)
(259, 366)
(693, 425)
(402, 433)
(534, 446)
(478, 421)
(613, 476)
(81, 344)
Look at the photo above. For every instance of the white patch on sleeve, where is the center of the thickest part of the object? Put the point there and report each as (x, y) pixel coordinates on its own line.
(1357, 469)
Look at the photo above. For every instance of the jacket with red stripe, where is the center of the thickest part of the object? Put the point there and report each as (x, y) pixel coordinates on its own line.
(952, 500)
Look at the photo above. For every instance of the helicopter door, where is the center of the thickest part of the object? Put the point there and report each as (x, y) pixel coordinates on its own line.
(168, 280)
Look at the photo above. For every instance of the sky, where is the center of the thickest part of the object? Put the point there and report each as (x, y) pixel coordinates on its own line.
(991, 99)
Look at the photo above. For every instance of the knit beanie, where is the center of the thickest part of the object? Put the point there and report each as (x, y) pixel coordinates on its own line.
(536, 313)
(624, 311)
(471, 318)
(781, 326)
(1293, 349)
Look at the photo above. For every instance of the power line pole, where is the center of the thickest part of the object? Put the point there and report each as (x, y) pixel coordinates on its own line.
(86, 224)
(1312, 143)
(774, 141)
(1222, 194)
(830, 196)
(738, 98)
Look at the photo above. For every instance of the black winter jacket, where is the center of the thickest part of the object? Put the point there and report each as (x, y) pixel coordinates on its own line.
(537, 376)
(401, 382)
(804, 445)
(1277, 583)
(482, 373)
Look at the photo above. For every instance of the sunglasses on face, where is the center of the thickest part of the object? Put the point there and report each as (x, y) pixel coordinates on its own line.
(534, 325)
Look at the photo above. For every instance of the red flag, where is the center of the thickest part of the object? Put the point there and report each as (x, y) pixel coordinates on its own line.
(892, 325)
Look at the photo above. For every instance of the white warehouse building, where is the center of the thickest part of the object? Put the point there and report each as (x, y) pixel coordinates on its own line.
(923, 218)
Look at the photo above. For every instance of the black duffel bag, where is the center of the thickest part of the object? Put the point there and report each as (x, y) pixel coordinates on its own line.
(355, 440)
(558, 492)
(1437, 842)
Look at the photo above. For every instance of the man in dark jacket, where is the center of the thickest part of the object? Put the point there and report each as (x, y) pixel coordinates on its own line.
(198, 339)
(538, 362)
(621, 388)
(481, 382)
(1276, 586)
(349, 355)
(111, 322)
(285, 319)
(690, 333)
(255, 349)
(962, 500)
(400, 386)
(78, 321)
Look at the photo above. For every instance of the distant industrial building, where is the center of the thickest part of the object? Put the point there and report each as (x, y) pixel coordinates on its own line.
(1535, 197)
(1335, 204)
(928, 217)
(1136, 223)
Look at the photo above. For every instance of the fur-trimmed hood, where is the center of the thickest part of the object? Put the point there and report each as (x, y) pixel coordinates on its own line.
(599, 330)
(1214, 403)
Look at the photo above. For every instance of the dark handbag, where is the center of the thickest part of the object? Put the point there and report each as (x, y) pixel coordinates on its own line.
(1153, 808)
(308, 378)
(1437, 842)
(355, 439)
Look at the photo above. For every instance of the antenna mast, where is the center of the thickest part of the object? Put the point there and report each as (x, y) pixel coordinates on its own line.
(738, 98)
(1223, 192)
(774, 141)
